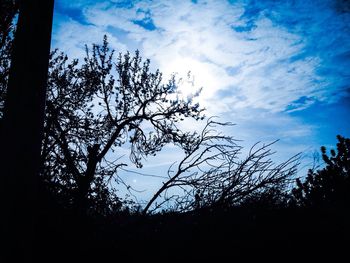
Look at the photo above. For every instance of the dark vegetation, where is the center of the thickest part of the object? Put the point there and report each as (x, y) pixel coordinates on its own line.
(213, 202)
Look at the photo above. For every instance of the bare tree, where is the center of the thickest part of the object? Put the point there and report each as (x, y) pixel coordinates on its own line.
(212, 173)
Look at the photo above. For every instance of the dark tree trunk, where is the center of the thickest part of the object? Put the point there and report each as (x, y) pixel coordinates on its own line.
(22, 127)
(84, 183)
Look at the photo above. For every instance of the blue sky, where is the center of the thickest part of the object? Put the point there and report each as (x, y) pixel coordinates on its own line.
(278, 69)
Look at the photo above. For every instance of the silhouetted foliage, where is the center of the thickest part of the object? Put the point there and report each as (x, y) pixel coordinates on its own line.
(212, 174)
(330, 186)
(96, 107)
(8, 11)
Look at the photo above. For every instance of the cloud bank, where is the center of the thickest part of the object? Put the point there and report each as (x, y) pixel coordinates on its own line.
(262, 64)
(273, 55)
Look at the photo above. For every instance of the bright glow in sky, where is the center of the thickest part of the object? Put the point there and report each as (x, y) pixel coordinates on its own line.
(278, 69)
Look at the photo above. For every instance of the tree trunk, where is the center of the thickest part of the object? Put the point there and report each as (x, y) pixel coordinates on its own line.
(84, 183)
(22, 127)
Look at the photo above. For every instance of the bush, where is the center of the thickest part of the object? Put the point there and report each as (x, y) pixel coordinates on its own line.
(327, 187)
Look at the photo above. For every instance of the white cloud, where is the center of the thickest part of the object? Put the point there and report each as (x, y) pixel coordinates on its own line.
(71, 37)
(249, 77)
(253, 67)
(200, 39)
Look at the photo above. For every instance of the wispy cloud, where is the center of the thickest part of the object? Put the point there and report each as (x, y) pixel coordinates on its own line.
(257, 61)
(268, 55)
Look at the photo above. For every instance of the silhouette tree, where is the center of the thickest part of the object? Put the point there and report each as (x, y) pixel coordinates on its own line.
(212, 174)
(8, 11)
(23, 116)
(97, 107)
(330, 186)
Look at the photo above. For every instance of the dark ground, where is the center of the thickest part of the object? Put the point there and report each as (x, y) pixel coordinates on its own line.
(245, 233)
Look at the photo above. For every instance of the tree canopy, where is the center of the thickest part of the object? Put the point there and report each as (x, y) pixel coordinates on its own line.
(329, 186)
(97, 106)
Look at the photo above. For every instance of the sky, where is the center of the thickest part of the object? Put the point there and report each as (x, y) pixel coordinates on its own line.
(277, 69)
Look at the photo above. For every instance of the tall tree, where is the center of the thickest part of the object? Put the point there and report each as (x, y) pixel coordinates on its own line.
(22, 123)
(98, 109)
